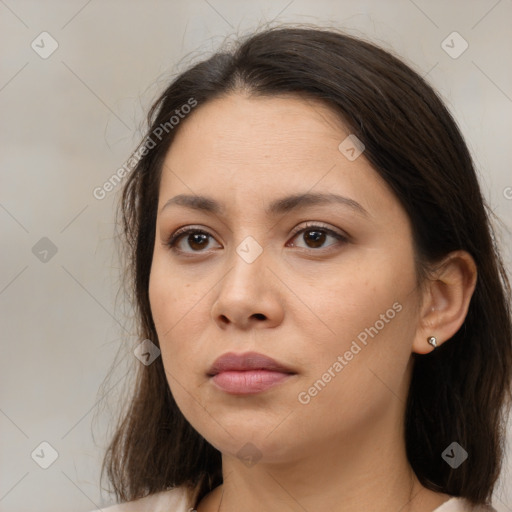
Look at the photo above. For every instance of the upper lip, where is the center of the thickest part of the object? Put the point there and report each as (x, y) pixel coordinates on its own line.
(246, 361)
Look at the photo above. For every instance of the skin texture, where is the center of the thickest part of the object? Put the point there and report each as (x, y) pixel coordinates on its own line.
(302, 302)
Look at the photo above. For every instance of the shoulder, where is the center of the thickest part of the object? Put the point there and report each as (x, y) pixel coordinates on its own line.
(173, 500)
(462, 505)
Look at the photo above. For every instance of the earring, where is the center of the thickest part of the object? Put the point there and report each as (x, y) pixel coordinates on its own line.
(432, 340)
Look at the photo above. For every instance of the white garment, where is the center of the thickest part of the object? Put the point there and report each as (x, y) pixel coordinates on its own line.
(175, 500)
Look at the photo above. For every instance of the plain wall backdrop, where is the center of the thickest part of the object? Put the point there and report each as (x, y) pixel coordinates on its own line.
(76, 78)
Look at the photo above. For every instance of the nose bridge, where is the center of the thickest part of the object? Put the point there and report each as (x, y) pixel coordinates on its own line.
(247, 263)
(246, 293)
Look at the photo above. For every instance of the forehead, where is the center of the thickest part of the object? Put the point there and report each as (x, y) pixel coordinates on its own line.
(249, 135)
(252, 150)
(240, 126)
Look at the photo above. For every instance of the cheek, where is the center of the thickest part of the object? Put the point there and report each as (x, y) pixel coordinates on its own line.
(171, 296)
(174, 307)
(371, 312)
(357, 382)
(363, 290)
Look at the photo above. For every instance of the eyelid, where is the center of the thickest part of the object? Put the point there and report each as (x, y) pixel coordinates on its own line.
(321, 225)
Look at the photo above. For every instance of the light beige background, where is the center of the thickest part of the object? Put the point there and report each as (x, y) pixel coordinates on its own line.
(70, 121)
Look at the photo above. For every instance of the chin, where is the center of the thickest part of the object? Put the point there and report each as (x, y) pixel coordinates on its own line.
(245, 438)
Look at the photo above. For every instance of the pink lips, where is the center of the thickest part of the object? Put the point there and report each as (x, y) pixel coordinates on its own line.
(247, 373)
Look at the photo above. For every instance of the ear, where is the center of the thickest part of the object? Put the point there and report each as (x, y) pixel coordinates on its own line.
(446, 297)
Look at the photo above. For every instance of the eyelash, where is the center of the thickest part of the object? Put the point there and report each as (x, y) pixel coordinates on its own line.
(180, 233)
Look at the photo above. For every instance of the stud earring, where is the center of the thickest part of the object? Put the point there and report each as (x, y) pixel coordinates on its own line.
(432, 340)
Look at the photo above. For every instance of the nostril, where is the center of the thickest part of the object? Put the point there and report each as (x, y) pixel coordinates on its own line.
(259, 316)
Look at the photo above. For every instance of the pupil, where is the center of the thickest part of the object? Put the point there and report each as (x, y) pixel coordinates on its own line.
(318, 237)
(197, 238)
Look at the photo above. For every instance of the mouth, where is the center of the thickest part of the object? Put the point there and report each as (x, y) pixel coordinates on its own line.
(247, 373)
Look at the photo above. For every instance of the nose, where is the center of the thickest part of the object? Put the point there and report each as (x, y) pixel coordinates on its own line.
(248, 296)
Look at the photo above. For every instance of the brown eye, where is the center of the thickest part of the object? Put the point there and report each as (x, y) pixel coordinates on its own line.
(315, 237)
(197, 241)
(189, 240)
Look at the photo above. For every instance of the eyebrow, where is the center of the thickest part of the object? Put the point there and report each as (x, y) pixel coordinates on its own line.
(277, 207)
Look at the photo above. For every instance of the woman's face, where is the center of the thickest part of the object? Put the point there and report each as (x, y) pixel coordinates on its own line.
(324, 286)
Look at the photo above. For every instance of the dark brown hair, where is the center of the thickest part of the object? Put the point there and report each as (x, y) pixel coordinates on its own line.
(459, 392)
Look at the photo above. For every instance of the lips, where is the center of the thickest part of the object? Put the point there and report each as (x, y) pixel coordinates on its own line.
(244, 362)
(246, 374)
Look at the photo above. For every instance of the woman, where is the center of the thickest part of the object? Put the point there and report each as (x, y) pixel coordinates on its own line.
(312, 256)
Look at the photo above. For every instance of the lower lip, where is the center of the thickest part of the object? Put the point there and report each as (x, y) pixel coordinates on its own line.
(249, 381)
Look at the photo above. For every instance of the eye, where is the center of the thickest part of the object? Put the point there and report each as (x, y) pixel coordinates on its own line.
(196, 239)
(315, 236)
